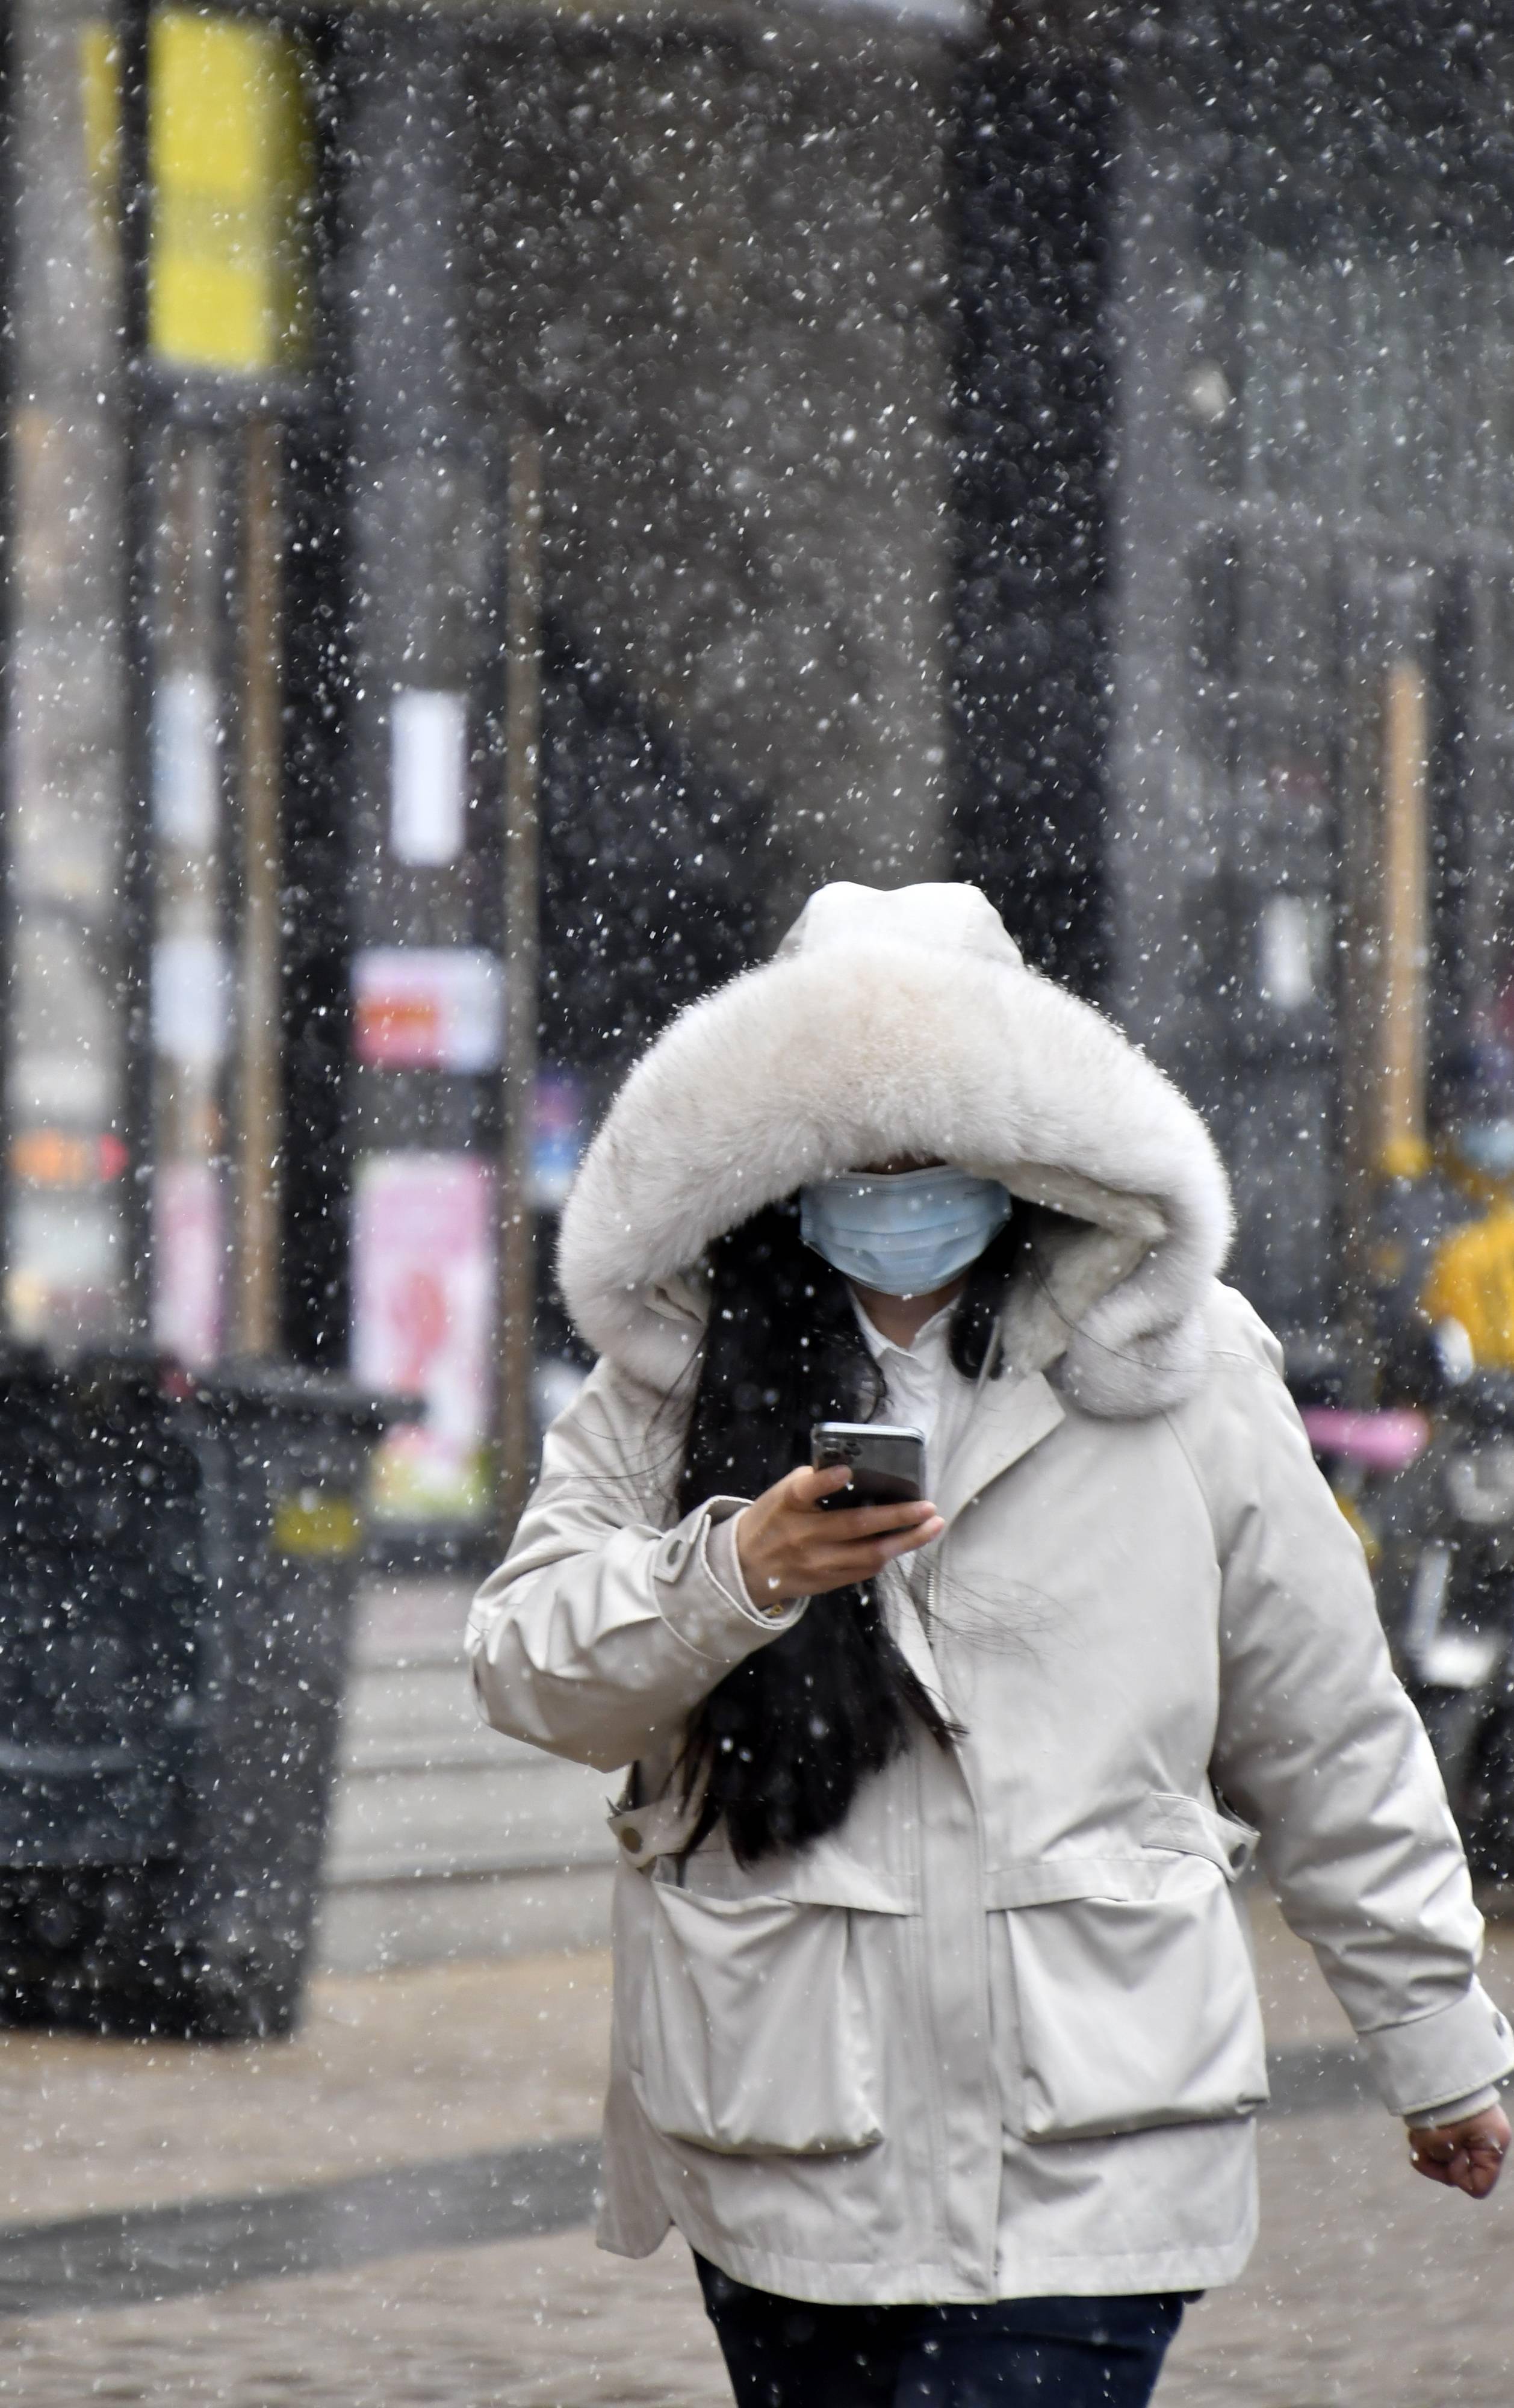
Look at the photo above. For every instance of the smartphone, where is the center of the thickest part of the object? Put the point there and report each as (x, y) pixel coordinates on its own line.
(886, 1464)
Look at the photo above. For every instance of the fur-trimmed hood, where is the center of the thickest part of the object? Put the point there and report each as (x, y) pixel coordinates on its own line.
(905, 1021)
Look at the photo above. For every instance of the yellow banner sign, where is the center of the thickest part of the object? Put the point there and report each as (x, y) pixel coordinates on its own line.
(231, 160)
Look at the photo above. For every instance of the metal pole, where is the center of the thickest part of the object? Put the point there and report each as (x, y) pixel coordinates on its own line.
(522, 917)
(1360, 991)
(1402, 1152)
(258, 1085)
(132, 25)
(10, 108)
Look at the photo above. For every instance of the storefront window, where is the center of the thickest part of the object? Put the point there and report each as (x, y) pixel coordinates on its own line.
(1350, 410)
(65, 1103)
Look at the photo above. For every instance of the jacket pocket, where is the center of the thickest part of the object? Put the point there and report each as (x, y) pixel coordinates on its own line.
(749, 2036)
(1136, 2000)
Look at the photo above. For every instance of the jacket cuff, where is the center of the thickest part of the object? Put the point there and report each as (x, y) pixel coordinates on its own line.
(1453, 2111)
(1448, 2055)
(723, 1562)
(711, 1615)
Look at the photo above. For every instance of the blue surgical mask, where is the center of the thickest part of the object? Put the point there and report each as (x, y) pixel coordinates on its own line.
(904, 1233)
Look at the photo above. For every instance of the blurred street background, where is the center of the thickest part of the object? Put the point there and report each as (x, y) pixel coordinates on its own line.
(497, 500)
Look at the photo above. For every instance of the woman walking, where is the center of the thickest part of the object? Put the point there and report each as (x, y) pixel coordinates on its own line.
(934, 2026)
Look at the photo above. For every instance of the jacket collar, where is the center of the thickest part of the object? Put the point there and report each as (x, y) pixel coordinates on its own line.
(1010, 1415)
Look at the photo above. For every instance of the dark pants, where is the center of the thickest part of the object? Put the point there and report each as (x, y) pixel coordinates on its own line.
(782, 2353)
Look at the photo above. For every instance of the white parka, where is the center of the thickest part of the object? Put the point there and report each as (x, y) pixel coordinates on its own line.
(998, 2035)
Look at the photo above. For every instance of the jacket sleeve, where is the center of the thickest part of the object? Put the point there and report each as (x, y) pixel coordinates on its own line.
(1319, 1745)
(603, 1627)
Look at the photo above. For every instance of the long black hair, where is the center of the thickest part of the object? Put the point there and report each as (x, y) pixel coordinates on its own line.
(777, 1749)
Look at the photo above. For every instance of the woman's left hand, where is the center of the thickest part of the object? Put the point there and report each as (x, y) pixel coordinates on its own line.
(1468, 2156)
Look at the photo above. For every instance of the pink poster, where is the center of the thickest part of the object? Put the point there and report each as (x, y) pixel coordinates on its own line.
(422, 1323)
(189, 1262)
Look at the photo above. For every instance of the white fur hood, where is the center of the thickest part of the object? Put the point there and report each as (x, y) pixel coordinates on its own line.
(905, 1021)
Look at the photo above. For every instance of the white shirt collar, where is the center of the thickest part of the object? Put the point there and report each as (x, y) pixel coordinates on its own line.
(931, 1338)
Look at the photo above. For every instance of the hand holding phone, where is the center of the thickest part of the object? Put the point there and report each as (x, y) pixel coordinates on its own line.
(807, 1534)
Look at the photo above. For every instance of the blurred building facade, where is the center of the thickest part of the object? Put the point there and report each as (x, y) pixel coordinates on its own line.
(1236, 654)
(698, 272)
(1074, 447)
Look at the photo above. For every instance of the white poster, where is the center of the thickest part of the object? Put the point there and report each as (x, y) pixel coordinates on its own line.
(190, 1001)
(428, 1007)
(428, 775)
(186, 761)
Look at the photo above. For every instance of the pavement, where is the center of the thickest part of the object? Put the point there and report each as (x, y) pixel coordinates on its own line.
(388, 2208)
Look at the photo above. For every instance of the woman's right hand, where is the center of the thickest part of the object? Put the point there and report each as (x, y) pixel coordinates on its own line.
(1468, 2156)
(789, 1545)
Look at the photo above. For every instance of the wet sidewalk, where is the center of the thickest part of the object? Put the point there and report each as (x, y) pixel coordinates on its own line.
(413, 2106)
(389, 2210)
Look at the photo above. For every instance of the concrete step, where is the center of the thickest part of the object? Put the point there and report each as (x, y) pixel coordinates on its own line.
(372, 1927)
(445, 1837)
(400, 1716)
(461, 1818)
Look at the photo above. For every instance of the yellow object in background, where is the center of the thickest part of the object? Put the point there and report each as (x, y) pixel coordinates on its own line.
(310, 1523)
(1472, 1281)
(1371, 1544)
(232, 161)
